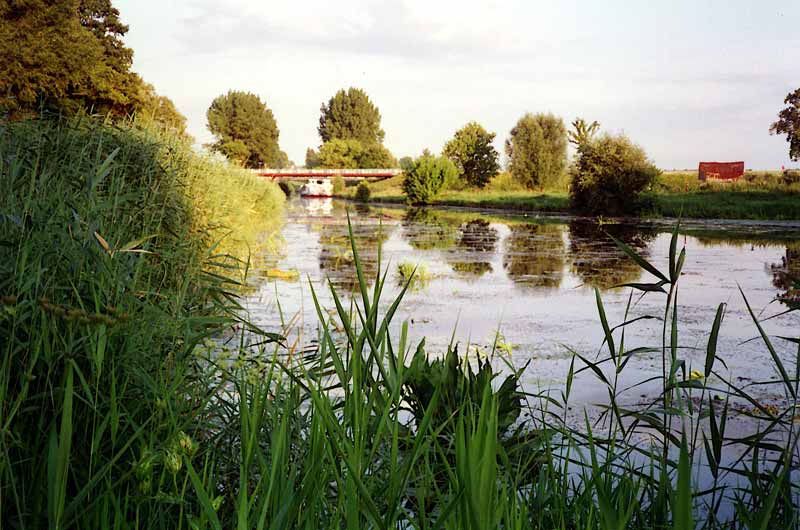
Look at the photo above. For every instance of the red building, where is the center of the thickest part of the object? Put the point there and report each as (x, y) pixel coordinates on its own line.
(720, 170)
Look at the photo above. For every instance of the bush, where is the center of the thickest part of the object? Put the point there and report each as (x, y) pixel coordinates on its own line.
(362, 192)
(609, 175)
(338, 184)
(427, 177)
(537, 150)
(791, 176)
(472, 152)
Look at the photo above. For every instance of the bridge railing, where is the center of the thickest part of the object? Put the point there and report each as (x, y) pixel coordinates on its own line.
(328, 172)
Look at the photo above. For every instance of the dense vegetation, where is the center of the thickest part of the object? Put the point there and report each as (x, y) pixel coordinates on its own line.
(245, 130)
(537, 150)
(111, 272)
(472, 152)
(351, 154)
(68, 57)
(788, 123)
(351, 134)
(609, 174)
(427, 176)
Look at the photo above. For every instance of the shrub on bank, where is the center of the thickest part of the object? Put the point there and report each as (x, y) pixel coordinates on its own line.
(609, 175)
(428, 176)
(362, 192)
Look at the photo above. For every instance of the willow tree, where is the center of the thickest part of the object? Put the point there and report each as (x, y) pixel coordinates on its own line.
(537, 150)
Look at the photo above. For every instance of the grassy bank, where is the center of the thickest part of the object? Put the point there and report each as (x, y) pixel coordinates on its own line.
(111, 272)
(759, 197)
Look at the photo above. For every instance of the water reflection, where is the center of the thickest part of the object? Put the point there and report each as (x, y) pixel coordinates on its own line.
(786, 276)
(336, 259)
(425, 229)
(598, 261)
(472, 255)
(535, 255)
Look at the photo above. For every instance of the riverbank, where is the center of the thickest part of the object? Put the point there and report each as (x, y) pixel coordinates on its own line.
(713, 202)
(116, 261)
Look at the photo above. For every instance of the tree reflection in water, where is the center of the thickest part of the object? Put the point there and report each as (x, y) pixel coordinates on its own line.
(425, 230)
(534, 255)
(598, 261)
(336, 254)
(786, 276)
(472, 255)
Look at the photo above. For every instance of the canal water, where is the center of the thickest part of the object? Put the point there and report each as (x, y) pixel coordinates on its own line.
(531, 281)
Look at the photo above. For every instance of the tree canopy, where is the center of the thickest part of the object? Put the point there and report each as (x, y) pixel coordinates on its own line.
(245, 130)
(609, 174)
(350, 115)
(68, 57)
(472, 152)
(537, 150)
(352, 154)
(789, 123)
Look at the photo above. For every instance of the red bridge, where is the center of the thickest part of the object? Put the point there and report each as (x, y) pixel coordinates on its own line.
(300, 173)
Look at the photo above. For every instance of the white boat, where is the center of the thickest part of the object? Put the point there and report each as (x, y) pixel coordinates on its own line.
(317, 188)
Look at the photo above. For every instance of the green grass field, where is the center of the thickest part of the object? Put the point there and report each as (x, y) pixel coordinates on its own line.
(758, 196)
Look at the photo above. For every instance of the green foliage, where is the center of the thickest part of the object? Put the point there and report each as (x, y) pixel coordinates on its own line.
(609, 175)
(472, 152)
(350, 115)
(582, 132)
(338, 184)
(459, 384)
(416, 276)
(69, 58)
(789, 123)
(362, 192)
(245, 130)
(105, 252)
(537, 150)
(406, 162)
(427, 177)
(353, 154)
(312, 159)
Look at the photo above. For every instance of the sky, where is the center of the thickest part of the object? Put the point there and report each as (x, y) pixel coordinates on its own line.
(687, 80)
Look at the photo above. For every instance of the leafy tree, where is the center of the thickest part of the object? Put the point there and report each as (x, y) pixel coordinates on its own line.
(427, 177)
(582, 132)
(245, 130)
(376, 156)
(312, 159)
(162, 110)
(537, 150)
(350, 115)
(352, 154)
(609, 175)
(472, 152)
(68, 57)
(65, 56)
(406, 162)
(789, 123)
